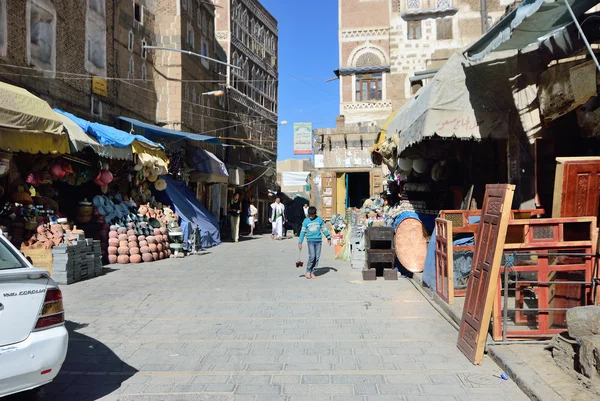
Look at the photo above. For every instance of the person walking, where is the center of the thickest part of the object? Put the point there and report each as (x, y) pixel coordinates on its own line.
(305, 208)
(252, 213)
(277, 218)
(235, 208)
(312, 227)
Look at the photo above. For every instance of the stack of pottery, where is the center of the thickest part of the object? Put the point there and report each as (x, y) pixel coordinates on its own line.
(122, 245)
(50, 235)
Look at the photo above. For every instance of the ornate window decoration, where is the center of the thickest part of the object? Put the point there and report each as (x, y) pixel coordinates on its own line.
(413, 4)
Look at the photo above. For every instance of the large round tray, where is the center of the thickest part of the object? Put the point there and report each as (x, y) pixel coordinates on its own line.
(411, 244)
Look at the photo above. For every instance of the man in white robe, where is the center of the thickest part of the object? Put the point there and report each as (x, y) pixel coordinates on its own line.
(277, 218)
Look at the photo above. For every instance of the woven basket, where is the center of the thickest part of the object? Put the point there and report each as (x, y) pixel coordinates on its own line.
(411, 244)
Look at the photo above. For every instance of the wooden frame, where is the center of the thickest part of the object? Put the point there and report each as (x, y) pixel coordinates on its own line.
(459, 224)
(538, 238)
(444, 260)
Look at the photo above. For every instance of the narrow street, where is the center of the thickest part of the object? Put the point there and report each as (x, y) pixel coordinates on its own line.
(240, 323)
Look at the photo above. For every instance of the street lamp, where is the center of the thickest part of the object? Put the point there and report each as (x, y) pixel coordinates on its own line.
(284, 122)
(214, 93)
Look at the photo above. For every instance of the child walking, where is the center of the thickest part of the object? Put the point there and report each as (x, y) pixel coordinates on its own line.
(312, 227)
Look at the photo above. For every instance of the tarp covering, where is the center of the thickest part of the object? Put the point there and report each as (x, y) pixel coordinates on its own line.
(193, 214)
(529, 23)
(206, 166)
(155, 130)
(80, 140)
(109, 136)
(294, 178)
(448, 107)
(28, 124)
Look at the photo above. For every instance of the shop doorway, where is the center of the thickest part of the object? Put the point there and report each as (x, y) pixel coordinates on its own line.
(358, 188)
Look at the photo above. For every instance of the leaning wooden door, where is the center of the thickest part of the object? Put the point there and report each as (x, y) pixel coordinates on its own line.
(376, 182)
(577, 187)
(328, 203)
(483, 281)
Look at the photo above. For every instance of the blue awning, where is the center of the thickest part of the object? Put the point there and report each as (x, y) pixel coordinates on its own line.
(155, 130)
(531, 22)
(106, 135)
(207, 167)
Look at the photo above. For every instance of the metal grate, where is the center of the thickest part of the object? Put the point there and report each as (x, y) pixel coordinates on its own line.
(543, 232)
(455, 218)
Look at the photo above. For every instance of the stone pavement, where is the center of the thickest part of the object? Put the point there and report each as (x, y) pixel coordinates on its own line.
(240, 323)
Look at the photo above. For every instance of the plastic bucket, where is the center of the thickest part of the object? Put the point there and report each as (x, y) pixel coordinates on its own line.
(338, 242)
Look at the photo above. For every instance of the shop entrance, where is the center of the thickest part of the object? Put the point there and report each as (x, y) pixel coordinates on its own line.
(358, 188)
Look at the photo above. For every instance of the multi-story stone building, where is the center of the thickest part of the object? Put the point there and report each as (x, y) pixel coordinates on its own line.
(61, 51)
(388, 49)
(248, 33)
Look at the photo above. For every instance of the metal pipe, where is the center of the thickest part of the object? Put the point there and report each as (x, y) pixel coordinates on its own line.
(553, 282)
(191, 54)
(587, 44)
(519, 342)
(505, 311)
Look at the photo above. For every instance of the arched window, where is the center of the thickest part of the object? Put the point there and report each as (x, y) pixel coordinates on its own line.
(368, 59)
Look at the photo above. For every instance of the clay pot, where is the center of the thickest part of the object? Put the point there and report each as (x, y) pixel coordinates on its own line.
(40, 229)
(113, 234)
(122, 237)
(135, 258)
(112, 259)
(134, 250)
(114, 228)
(151, 239)
(124, 243)
(159, 247)
(163, 230)
(143, 210)
(132, 238)
(113, 242)
(147, 257)
(153, 248)
(112, 250)
(161, 255)
(122, 230)
(157, 231)
(123, 250)
(159, 238)
(143, 243)
(130, 232)
(144, 249)
(155, 255)
(142, 238)
(132, 244)
(123, 259)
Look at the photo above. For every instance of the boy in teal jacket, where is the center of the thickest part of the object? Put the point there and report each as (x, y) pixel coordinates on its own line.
(312, 227)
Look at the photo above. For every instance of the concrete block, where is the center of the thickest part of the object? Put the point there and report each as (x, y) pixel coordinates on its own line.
(583, 321)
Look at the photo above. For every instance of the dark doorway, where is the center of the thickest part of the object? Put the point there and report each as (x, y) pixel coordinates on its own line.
(358, 189)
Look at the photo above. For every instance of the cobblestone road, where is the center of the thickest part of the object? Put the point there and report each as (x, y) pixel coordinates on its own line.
(239, 323)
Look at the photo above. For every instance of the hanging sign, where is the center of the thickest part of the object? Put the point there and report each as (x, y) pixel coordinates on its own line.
(303, 139)
(99, 86)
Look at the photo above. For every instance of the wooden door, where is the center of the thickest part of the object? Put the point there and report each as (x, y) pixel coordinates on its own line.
(341, 193)
(376, 182)
(576, 187)
(444, 260)
(483, 281)
(328, 204)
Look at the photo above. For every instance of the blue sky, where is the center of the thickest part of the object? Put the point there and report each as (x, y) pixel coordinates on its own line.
(308, 54)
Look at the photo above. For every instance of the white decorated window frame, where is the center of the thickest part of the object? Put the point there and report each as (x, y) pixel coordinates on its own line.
(95, 43)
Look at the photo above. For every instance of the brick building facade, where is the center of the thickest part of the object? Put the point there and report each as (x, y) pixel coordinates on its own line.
(388, 49)
(54, 48)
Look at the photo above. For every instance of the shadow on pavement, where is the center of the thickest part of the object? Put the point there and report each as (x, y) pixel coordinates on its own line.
(324, 270)
(84, 372)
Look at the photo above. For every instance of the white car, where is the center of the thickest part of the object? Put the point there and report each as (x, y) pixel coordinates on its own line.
(33, 337)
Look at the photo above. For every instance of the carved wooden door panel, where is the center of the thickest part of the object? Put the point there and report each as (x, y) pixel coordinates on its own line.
(328, 201)
(444, 261)
(483, 281)
(577, 187)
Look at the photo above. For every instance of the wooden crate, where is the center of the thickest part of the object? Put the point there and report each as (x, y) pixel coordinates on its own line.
(41, 258)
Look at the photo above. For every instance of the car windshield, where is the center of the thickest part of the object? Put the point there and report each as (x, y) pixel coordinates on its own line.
(8, 258)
